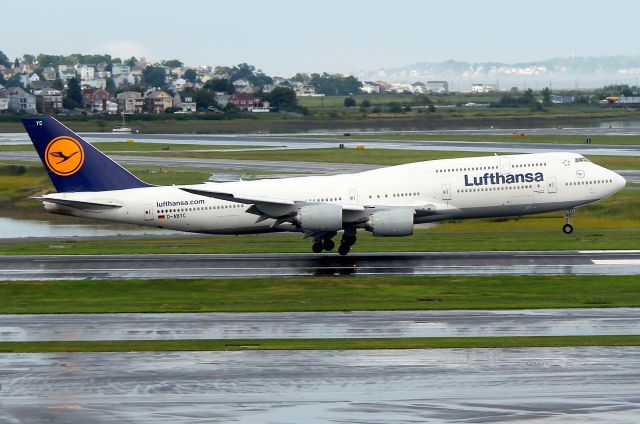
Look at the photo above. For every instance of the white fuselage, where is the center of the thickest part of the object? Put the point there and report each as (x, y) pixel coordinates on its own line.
(490, 186)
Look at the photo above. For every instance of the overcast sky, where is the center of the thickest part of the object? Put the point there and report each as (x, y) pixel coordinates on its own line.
(285, 36)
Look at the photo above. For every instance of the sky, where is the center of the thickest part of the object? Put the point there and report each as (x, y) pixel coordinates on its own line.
(283, 37)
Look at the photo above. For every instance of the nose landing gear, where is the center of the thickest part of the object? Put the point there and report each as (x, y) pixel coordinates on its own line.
(567, 228)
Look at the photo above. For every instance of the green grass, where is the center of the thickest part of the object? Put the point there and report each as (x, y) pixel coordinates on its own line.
(334, 293)
(317, 344)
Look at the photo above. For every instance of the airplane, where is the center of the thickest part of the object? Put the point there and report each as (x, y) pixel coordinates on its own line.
(387, 202)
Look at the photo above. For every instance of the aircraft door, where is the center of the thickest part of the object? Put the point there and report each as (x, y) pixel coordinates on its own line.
(552, 188)
(505, 166)
(446, 191)
(353, 197)
(148, 213)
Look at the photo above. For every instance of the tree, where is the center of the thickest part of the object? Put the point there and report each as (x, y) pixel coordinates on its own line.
(154, 76)
(110, 85)
(57, 84)
(365, 103)
(220, 85)
(132, 61)
(300, 77)
(546, 97)
(395, 107)
(4, 60)
(190, 75)
(204, 98)
(282, 98)
(336, 84)
(73, 99)
(29, 59)
(173, 63)
(349, 102)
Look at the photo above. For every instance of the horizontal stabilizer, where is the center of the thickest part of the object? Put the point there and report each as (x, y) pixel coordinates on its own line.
(80, 204)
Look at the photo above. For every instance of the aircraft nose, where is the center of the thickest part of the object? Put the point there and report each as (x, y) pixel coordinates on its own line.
(619, 181)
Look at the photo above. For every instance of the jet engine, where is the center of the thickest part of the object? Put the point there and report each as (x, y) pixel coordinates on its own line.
(325, 217)
(391, 223)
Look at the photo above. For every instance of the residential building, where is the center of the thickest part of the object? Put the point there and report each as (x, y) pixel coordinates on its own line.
(243, 101)
(96, 99)
(370, 87)
(86, 72)
(49, 73)
(130, 102)
(66, 72)
(27, 79)
(120, 69)
(48, 101)
(157, 101)
(96, 83)
(243, 86)
(437, 87)
(562, 99)
(112, 108)
(187, 102)
(4, 102)
(20, 100)
(178, 85)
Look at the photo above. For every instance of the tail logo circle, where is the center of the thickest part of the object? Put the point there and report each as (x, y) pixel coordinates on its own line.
(64, 156)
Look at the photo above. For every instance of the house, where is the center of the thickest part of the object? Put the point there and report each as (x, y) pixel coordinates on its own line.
(418, 88)
(178, 85)
(49, 73)
(370, 87)
(243, 86)
(187, 102)
(112, 108)
(49, 101)
(96, 83)
(243, 101)
(26, 80)
(20, 100)
(437, 86)
(130, 102)
(120, 69)
(95, 99)
(66, 72)
(86, 72)
(4, 102)
(157, 101)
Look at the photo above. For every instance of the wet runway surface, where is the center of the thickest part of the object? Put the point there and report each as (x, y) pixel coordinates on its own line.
(30, 267)
(552, 385)
(392, 324)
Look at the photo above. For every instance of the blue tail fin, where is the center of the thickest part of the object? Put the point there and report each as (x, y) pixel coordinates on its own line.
(72, 163)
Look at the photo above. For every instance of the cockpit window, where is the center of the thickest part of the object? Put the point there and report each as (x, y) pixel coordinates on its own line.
(582, 160)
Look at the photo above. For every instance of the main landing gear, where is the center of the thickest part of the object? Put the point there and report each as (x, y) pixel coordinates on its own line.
(348, 240)
(323, 244)
(567, 228)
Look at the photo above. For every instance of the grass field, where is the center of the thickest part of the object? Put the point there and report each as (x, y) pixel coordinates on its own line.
(317, 344)
(124, 146)
(333, 293)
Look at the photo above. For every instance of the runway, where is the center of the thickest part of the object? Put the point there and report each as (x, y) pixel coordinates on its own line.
(303, 325)
(34, 267)
(552, 385)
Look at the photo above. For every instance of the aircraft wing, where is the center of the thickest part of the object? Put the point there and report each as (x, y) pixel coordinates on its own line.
(266, 207)
(80, 204)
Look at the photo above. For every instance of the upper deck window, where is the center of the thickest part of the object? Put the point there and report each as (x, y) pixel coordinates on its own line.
(582, 159)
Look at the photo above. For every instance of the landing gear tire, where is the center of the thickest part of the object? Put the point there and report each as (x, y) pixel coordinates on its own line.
(328, 245)
(349, 240)
(344, 249)
(567, 228)
(317, 247)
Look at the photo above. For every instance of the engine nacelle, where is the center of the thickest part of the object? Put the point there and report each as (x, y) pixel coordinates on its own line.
(324, 217)
(392, 223)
